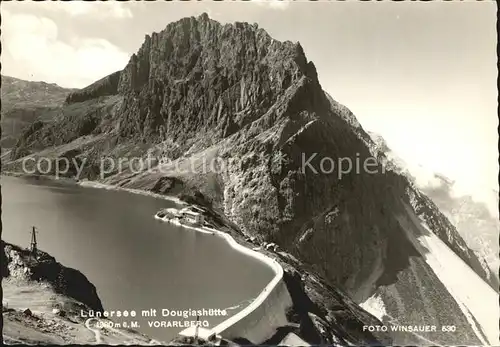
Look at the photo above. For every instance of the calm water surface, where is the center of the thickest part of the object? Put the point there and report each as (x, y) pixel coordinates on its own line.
(135, 261)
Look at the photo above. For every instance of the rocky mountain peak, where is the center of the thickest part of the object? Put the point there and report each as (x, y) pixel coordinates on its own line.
(193, 45)
(209, 77)
(199, 76)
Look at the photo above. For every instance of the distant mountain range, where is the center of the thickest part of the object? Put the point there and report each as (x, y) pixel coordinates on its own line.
(23, 101)
(201, 90)
(476, 220)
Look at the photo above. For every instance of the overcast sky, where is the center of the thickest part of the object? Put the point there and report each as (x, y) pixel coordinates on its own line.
(423, 75)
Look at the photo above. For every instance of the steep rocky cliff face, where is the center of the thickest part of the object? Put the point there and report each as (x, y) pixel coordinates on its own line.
(191, 85)
(246, 128)
(199, 78)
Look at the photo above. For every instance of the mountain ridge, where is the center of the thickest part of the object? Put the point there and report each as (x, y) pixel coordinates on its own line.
(22, 101)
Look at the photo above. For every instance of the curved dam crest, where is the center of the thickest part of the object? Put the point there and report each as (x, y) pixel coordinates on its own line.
(258, 321)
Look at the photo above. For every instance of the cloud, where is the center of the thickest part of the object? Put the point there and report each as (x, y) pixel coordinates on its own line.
(475, 189)
(274, 4)
(105, 9)
(489, 197)
(95, 9)
(32, 50)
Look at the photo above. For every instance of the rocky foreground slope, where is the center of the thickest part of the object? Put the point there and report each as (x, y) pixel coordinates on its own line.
(228, 116)
(42, 299)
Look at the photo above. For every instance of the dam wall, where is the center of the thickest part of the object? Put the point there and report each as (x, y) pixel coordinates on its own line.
(258, 321)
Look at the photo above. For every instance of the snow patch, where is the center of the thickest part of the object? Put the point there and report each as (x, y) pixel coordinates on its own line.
(477, 300)
(375, 306)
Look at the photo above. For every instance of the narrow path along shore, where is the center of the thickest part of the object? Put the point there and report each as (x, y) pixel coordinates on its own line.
(99, 185)
(96, 332)
(95, 184)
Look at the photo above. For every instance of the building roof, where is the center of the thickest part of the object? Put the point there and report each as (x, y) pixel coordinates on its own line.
(197, 208)
(192, 213)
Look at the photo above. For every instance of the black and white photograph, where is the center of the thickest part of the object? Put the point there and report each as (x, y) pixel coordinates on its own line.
(249, 173)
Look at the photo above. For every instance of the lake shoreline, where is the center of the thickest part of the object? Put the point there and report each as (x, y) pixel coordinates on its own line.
(95, 184)
(242, 249)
